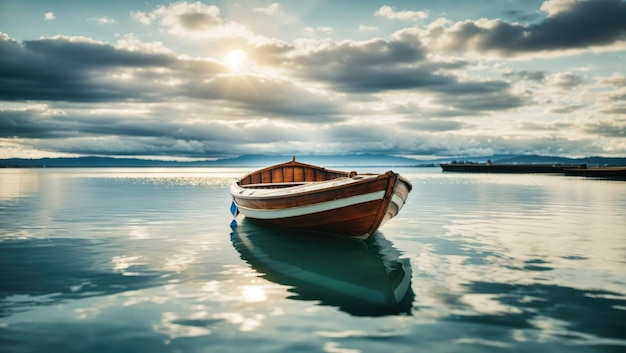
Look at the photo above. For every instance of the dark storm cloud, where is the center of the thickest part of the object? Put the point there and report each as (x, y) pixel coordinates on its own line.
(131, 146)
(158, 135)
(357, 79)
(198, 21)
(585, 23)
(582, 24)
(474, 88)
(617, 97)
(495, 101)
(400, 64)
(39, 123)
(367, 67)
(369, 54)
(567, 80)
(617, 110)
(89, 55)
(566, 109)
(608, 128)
(555, 126)
(437, 125)
(26, 123)
(200, 140)
(68, 70)
(470, 98)
(64, 69)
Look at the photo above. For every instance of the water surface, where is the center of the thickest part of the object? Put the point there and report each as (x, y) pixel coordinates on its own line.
(122, 260)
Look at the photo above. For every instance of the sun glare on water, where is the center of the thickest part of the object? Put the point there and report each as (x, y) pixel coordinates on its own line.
(235, 60)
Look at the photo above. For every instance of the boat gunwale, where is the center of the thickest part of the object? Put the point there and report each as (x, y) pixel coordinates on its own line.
(351, 182)
(292, 163)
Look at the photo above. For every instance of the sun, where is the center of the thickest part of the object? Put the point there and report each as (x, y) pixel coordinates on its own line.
(235, 60)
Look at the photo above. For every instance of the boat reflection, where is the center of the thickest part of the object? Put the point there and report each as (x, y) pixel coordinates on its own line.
(362, 278)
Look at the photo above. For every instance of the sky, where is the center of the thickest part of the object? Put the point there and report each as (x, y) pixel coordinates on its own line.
(215, 79)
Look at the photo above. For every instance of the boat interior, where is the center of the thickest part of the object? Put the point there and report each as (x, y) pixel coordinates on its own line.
(290, 174)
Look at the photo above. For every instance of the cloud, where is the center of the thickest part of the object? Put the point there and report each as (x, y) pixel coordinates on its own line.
(273, 9)
(619, 97)
(555, 7)
(81, 70)
(156, 133)
(49, 16)
(368, 66)
(273, 97)
(401, 64)
(615, 109)
(390, 13)
(545, 126)
(478, 97)
(405, 139)
(150, 133)
(608, 128)
(570, 25)
(365, 28)
(617, 80)
(102, 20)
(324, 30)
(537, 76)
(193, 20)
(70, 69)
(565, 80)
(534, 143)
(436, 125)
(182, 14)
(566, 109)
(26, 123)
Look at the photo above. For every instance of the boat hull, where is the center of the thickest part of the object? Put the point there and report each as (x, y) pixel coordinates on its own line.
(355, 206)
(611, 173)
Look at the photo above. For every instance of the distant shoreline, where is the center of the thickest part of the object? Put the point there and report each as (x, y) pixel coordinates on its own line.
(251, 161)
(201, 166)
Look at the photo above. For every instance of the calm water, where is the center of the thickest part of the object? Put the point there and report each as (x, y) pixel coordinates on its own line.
(126, 260)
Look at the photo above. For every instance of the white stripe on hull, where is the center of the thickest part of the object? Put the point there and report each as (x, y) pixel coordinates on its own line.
(398, 201)
(309, 209)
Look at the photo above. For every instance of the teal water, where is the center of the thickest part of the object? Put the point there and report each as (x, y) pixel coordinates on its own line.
(129, 260)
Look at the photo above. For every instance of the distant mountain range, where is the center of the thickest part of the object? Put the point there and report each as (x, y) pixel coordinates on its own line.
(241, 161)
(354, 160)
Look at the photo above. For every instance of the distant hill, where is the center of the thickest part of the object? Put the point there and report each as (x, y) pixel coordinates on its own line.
(258, 160)
(241, 161)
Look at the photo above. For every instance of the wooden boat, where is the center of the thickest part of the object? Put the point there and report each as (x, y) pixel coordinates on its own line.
(303, 196)
(469, 167)
(377, 282)
(612, 173)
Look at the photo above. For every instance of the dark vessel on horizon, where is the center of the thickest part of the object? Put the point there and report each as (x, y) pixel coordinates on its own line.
(489, 167)
(610, 173)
